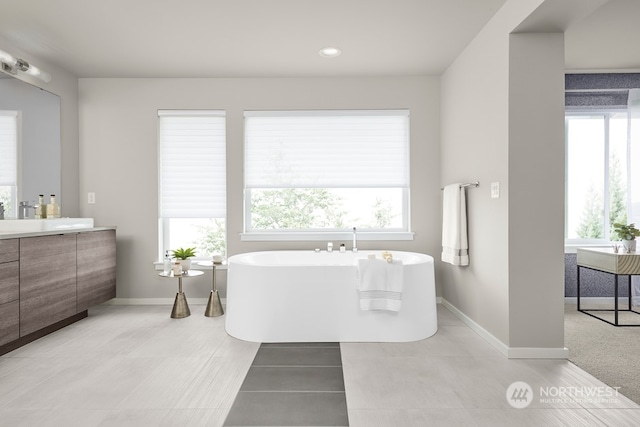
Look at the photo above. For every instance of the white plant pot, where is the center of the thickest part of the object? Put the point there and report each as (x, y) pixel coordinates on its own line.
(629, 245)
(185, 263)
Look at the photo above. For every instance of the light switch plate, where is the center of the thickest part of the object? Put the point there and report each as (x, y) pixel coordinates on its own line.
(495, 190)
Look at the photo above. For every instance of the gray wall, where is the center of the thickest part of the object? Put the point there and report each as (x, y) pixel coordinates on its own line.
(118, 157)
(507, 89)
(536, 189)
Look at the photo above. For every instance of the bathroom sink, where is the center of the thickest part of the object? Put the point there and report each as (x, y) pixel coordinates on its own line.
(26, 225)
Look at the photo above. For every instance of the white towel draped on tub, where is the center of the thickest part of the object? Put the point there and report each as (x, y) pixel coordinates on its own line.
(380, 284)
(455, 249)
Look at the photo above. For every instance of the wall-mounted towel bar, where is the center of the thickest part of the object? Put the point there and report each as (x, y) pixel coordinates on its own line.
(468, 184)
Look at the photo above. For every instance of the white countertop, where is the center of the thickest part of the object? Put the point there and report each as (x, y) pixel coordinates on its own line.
(20, 234)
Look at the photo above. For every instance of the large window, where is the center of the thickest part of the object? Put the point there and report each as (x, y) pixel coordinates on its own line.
(192, 146)
(311, 171)
(9, 161)
(596, 174)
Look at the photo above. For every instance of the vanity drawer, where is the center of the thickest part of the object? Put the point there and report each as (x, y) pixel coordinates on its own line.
(9, 318)
(9, 281)
(9, 250)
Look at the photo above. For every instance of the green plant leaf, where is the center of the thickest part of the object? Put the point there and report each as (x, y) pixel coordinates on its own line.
(183, 253)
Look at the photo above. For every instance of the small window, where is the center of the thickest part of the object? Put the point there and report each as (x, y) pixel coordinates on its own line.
(310, 171)
(192, 165)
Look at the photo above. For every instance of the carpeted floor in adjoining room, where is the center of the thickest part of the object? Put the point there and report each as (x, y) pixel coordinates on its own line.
(609, 353)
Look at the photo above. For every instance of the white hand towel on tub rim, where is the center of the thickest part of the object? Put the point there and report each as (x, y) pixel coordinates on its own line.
(455, 247)
(380, 284)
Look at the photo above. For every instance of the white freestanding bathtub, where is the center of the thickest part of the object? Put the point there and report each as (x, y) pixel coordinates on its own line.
(307, 296)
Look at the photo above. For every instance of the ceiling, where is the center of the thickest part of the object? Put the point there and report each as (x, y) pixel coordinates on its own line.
(248, 38)
(609, 39)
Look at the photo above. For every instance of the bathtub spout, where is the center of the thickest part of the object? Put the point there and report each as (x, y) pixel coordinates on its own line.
(355, 241)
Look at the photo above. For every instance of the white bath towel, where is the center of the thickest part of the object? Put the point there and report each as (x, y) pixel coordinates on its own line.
(381, 284)
(455, 248)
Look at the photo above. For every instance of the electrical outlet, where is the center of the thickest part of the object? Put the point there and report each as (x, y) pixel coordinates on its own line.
(91, 198)
(495, 190)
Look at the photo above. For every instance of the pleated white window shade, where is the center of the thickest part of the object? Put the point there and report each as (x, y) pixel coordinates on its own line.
(8, 148)
(327, 149)
(192, 164)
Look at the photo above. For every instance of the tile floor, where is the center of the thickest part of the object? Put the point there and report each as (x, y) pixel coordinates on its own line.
(292, 384)
(135, 366)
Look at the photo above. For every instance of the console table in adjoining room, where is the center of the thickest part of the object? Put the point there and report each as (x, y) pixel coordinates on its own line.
(616, 263)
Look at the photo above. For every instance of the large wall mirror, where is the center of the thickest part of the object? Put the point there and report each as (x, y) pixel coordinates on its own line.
(37, 156)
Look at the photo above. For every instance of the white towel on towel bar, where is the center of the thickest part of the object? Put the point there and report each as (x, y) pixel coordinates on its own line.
(380, 284)
(455, 247)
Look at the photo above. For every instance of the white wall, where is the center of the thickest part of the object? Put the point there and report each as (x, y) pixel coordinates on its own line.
(118, 156)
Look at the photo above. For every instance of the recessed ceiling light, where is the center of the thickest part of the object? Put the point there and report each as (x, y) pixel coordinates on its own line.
(330, 52)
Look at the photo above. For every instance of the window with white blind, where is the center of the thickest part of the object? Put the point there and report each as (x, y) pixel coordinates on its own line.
(9, 161)
(320, 171)
(192, 177)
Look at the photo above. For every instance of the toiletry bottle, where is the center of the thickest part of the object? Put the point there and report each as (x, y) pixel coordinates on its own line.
(53, 210)
(41, 208)
(177, 269)
(343, 248)
(167, 263)
(330, 247)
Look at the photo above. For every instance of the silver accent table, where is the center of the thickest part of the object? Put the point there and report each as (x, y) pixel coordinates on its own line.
(180, 306)
(214, 305)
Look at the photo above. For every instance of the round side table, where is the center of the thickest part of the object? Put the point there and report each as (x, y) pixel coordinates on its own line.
(180, 306)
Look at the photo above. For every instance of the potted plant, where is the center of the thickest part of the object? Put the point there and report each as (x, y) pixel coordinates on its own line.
(627, 233)
(184, 255)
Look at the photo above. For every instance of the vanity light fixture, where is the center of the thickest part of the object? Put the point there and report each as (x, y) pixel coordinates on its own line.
(330, 52)
(12, 65)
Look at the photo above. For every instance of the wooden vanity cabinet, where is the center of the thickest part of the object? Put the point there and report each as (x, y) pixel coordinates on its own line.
(96, 268)
(47, 281)
(9, 291)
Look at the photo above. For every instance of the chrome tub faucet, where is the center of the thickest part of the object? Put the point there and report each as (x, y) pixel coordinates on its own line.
(355, 241)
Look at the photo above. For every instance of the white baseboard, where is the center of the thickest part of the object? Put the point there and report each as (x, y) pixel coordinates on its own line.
(538, 353)
(487, 336)
(157, 301)
(509, 352)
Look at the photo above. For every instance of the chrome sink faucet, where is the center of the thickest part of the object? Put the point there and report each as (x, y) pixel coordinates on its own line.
(23, 210)
(1, 210)
(355, 241)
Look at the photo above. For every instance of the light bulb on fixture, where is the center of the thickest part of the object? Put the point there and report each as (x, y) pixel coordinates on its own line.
(12, 65)
(7, 58)
(37, 72)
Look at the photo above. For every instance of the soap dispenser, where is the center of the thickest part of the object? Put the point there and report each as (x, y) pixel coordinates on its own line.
(167, 263)
(53, 210)
(41, 208)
